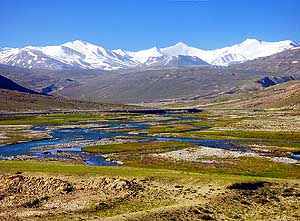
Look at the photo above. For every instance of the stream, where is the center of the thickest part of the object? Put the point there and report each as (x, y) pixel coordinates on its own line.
(64, 136)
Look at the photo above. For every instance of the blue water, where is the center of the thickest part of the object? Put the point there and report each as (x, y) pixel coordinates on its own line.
(62, 136)
(295, 156)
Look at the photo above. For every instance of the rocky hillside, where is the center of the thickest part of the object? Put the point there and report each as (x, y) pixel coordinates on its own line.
(285, 95)
(8, 84)
(14, 101)
(286, 62)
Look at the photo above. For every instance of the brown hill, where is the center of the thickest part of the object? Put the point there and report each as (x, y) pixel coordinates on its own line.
(283, 96)
(8, 84)
(285, 63)
(14, 101)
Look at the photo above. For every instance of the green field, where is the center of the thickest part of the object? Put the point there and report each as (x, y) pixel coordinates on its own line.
(135, 147)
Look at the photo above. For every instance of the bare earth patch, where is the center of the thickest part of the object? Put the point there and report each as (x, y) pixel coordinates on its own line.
(34, 197)
(85, 143)
(280, 123)
(198, 154)
(207, 155)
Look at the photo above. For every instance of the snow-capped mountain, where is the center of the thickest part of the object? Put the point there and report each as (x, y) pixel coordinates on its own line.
(75, 54)
(179, 60)
(81, 54)
(143, 55)
(247, 50)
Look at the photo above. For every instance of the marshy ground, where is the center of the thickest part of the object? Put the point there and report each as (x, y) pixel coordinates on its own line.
(252, 174)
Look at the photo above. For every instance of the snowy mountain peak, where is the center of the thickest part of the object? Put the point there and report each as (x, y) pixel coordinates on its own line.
(77, 42)
(143, 55)
(80, 45)
(82, 54)
(181, 44)
(154, 49)
(251, 41)
(120, 52)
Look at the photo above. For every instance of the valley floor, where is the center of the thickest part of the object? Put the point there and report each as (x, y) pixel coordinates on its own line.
(213, 165)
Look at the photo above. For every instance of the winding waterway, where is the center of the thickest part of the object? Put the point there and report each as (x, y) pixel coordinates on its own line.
(64, 136)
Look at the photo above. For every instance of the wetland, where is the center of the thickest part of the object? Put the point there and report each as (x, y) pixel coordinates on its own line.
(150, 165)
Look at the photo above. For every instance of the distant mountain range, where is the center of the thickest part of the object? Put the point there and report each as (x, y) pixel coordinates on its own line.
(157, 84)
(83, 55)
(181, 84)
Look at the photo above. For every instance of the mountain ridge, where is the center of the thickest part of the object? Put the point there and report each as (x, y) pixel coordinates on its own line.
(8, 84)
(84, 55)
(157, 83)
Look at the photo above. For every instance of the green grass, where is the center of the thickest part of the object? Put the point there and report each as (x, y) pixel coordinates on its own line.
(53, 119)
(79, 169)
(14, 135)
(177, 128)
(69, 168)
(137, 156)
(244, 134)
(129, 205)
(122, 171)
(256, 167)
(275, 145)
(134, 147)
(17, 139)
(147, 166)
(59, 119)
(219, 122)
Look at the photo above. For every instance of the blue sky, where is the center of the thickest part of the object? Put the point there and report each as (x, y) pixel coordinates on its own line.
(140, 24)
